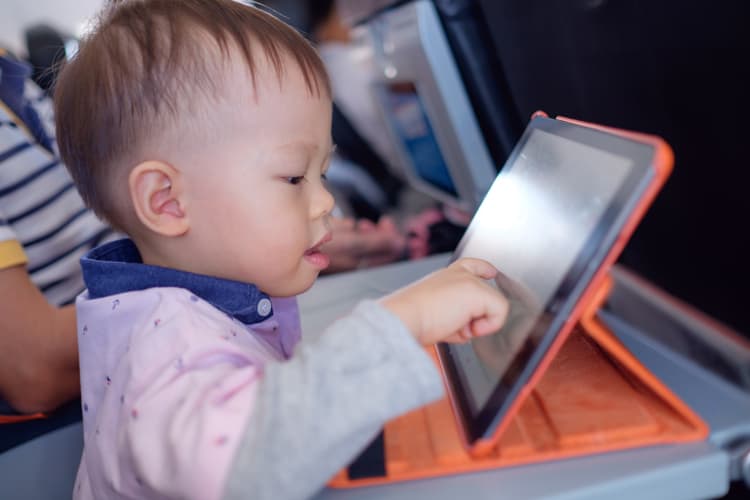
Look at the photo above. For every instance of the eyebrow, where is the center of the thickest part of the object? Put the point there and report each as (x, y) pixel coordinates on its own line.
(297, 148)
(306, 146)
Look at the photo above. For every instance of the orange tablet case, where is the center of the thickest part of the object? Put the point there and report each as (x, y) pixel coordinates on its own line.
(588, 395)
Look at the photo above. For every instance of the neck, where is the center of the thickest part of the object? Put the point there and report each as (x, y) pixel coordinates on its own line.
(156, 253)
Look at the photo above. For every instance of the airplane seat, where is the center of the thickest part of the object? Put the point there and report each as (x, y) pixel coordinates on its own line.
(470, 42)
(672, 68)
(483, 76)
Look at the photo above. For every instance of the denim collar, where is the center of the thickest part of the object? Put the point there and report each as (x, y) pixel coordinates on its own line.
(117, 267)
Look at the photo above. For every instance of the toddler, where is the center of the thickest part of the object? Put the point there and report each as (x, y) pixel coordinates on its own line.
(202, 129)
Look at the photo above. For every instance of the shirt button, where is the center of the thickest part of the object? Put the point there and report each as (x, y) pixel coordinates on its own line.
(264, 307)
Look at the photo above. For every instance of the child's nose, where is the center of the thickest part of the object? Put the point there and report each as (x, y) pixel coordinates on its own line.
(323, 202)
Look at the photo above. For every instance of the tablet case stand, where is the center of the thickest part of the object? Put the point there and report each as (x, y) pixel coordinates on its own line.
(589, 394)
(594, 396)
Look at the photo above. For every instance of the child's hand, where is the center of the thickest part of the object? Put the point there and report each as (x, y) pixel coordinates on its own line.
(452, 305)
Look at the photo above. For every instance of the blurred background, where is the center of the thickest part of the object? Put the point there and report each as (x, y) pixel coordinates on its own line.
(471, 72)
(19, 15)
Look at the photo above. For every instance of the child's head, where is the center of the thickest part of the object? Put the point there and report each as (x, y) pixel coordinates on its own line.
(202, 129)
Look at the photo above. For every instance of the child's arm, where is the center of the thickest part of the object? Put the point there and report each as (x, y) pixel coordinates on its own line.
(314, 413)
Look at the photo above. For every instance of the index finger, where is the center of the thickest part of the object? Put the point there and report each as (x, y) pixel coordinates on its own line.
(477, 267)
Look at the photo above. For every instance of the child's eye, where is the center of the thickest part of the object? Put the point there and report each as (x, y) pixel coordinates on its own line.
(294, 180)
(324, 176)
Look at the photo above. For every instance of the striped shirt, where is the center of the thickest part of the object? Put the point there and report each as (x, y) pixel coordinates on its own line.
(43, 221)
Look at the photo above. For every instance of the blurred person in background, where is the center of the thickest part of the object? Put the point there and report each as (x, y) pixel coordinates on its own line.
(44, 230)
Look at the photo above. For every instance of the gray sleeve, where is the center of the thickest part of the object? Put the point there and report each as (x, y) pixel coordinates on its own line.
(315, 412)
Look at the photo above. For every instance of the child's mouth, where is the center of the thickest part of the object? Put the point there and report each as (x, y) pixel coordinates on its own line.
(317, 258)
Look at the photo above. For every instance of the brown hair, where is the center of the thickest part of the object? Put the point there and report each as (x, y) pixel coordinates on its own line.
(143, 65)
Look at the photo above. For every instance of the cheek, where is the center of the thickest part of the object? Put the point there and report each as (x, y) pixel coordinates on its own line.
(279, 227)
(287, 212)
(266, 225)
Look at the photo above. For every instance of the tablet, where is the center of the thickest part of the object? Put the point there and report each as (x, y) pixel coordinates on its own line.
(551, 220)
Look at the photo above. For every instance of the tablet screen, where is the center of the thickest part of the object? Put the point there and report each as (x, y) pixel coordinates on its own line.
(546, 223)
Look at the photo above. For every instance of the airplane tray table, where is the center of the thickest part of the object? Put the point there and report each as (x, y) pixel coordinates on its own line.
(45, 467)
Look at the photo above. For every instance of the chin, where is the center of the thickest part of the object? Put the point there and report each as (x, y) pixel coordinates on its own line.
(307, 284)
(295, 287)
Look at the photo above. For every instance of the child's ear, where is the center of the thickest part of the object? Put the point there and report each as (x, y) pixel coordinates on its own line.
(156, 190)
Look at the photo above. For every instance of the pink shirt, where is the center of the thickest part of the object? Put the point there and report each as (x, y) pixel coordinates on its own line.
(168, 384)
